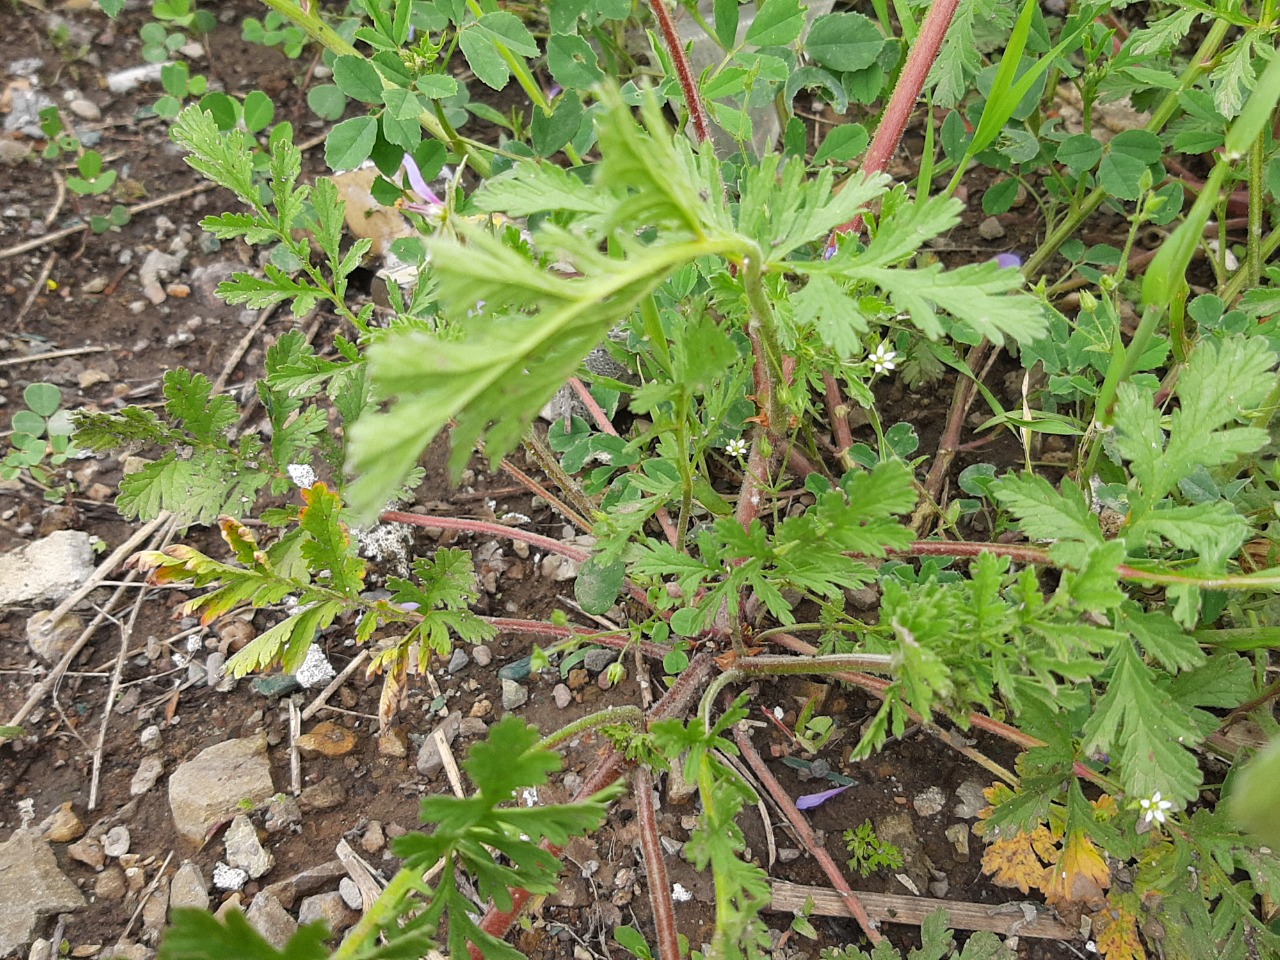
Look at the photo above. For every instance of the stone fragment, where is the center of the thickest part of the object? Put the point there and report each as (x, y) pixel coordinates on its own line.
(558, 568)
(276, 685)
(62, 825)
(578, 678)
(481, 709)
(482, 654)
(991, 229)
(958, 834)
(350, 893)
(309, 881)
(268, 916)
(329, 908)
(245, 850)
(596, 660)
(897, 829)
(327, 739)
(393, 743)
(472, 727)
(116, 842)
(189, 888)
(374, 839)
(516, 669)
(513, 695)
(458, 661)
(31, 886)
(325, 795)
(89, 852)
(147, 774)
(157, 264)
(972, 802)
(562, 695)
(85, 109)
(429, 762)
(111, 884)
(316, 669)
(122, 81)
(211, 787)
(127, 950)
(930, 801)
(281, 814)
(156, 910)
(228, 878)
(50, 639)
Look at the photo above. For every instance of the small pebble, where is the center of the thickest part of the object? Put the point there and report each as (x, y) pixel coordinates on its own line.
(116, 842)
(517, 669)
(85, 109)
(350, 893)
(991, 229)
(458, 661)
(513, 695)
(228, 878)
(562, 695)
(483, 655)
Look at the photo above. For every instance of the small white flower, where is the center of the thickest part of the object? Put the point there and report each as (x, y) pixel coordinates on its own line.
(302, 475)
(736, 448)
(1155, 808)
(882, 358)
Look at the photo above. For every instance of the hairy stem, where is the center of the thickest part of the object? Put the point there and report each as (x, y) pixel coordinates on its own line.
(611, 716)
(619, 640)
(484, 528)
(655, 867)
(688, 82)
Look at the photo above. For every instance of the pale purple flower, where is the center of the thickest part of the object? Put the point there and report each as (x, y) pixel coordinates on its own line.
(811, 800)
(1008, 260)
(410, 167)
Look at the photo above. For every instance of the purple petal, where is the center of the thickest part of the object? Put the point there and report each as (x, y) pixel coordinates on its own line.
(419, 185)
(1008, 260)
(811, 800)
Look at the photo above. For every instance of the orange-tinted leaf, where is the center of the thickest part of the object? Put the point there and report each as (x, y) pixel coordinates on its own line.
(1115, 932)
(1013, 861)
(1105, 808)
(393, 687)
(240, 538)
(1079, 876)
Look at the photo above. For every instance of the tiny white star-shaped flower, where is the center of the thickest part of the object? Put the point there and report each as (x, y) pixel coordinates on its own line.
(882, 358)
(1154, 808)
(736, 448)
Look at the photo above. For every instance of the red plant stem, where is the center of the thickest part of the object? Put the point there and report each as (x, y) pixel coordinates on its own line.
(780, 796)
(688, 83)
(606, 426)
(839, 415)
(965, 392)
(485, 528)
(538, 489)
(655, 867)
(905, 93)
(675, 702)
(619, 640)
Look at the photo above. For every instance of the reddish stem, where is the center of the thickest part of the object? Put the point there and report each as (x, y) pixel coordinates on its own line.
(538, 489)
(675, 702)
(484, 528)
(688, 83)
(655, 867)
(838, 414)
(619, 640)
(804, 831)
(906, 92)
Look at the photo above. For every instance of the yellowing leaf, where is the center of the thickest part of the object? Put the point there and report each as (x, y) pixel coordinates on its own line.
(1105, 808)
(1116, 934)
(1017, 861)
(393, 688)
(1079, 876)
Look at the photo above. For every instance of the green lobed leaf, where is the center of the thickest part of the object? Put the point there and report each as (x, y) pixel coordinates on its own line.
(844, 42)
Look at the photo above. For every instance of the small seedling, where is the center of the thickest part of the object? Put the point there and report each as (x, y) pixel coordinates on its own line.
(41, 441)
(869, 852)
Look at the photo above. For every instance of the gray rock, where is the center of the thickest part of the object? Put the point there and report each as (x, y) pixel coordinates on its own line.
(211, 787)
(148, 773)
(991, 229)
(483, 655)
(374, 839)
(268, 916)
(156, 910)
(472, 727)
(513, 695)
(429, 761)
(46, 569)
(116, 842)
(312, 880)
(41, 949)
(24, 114)
(157, 266)
(89, 852)
(282, 813)
(316, 670)
(13, 151)
(458, 661)
(329, 908)
(126, 951)
(31, 886)
(50, 639)
(244, 850)
(971, 799)
(596, 660)
(562, 695)
(930, 801)
(350, 893)
(189, 888)
(558, 568)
